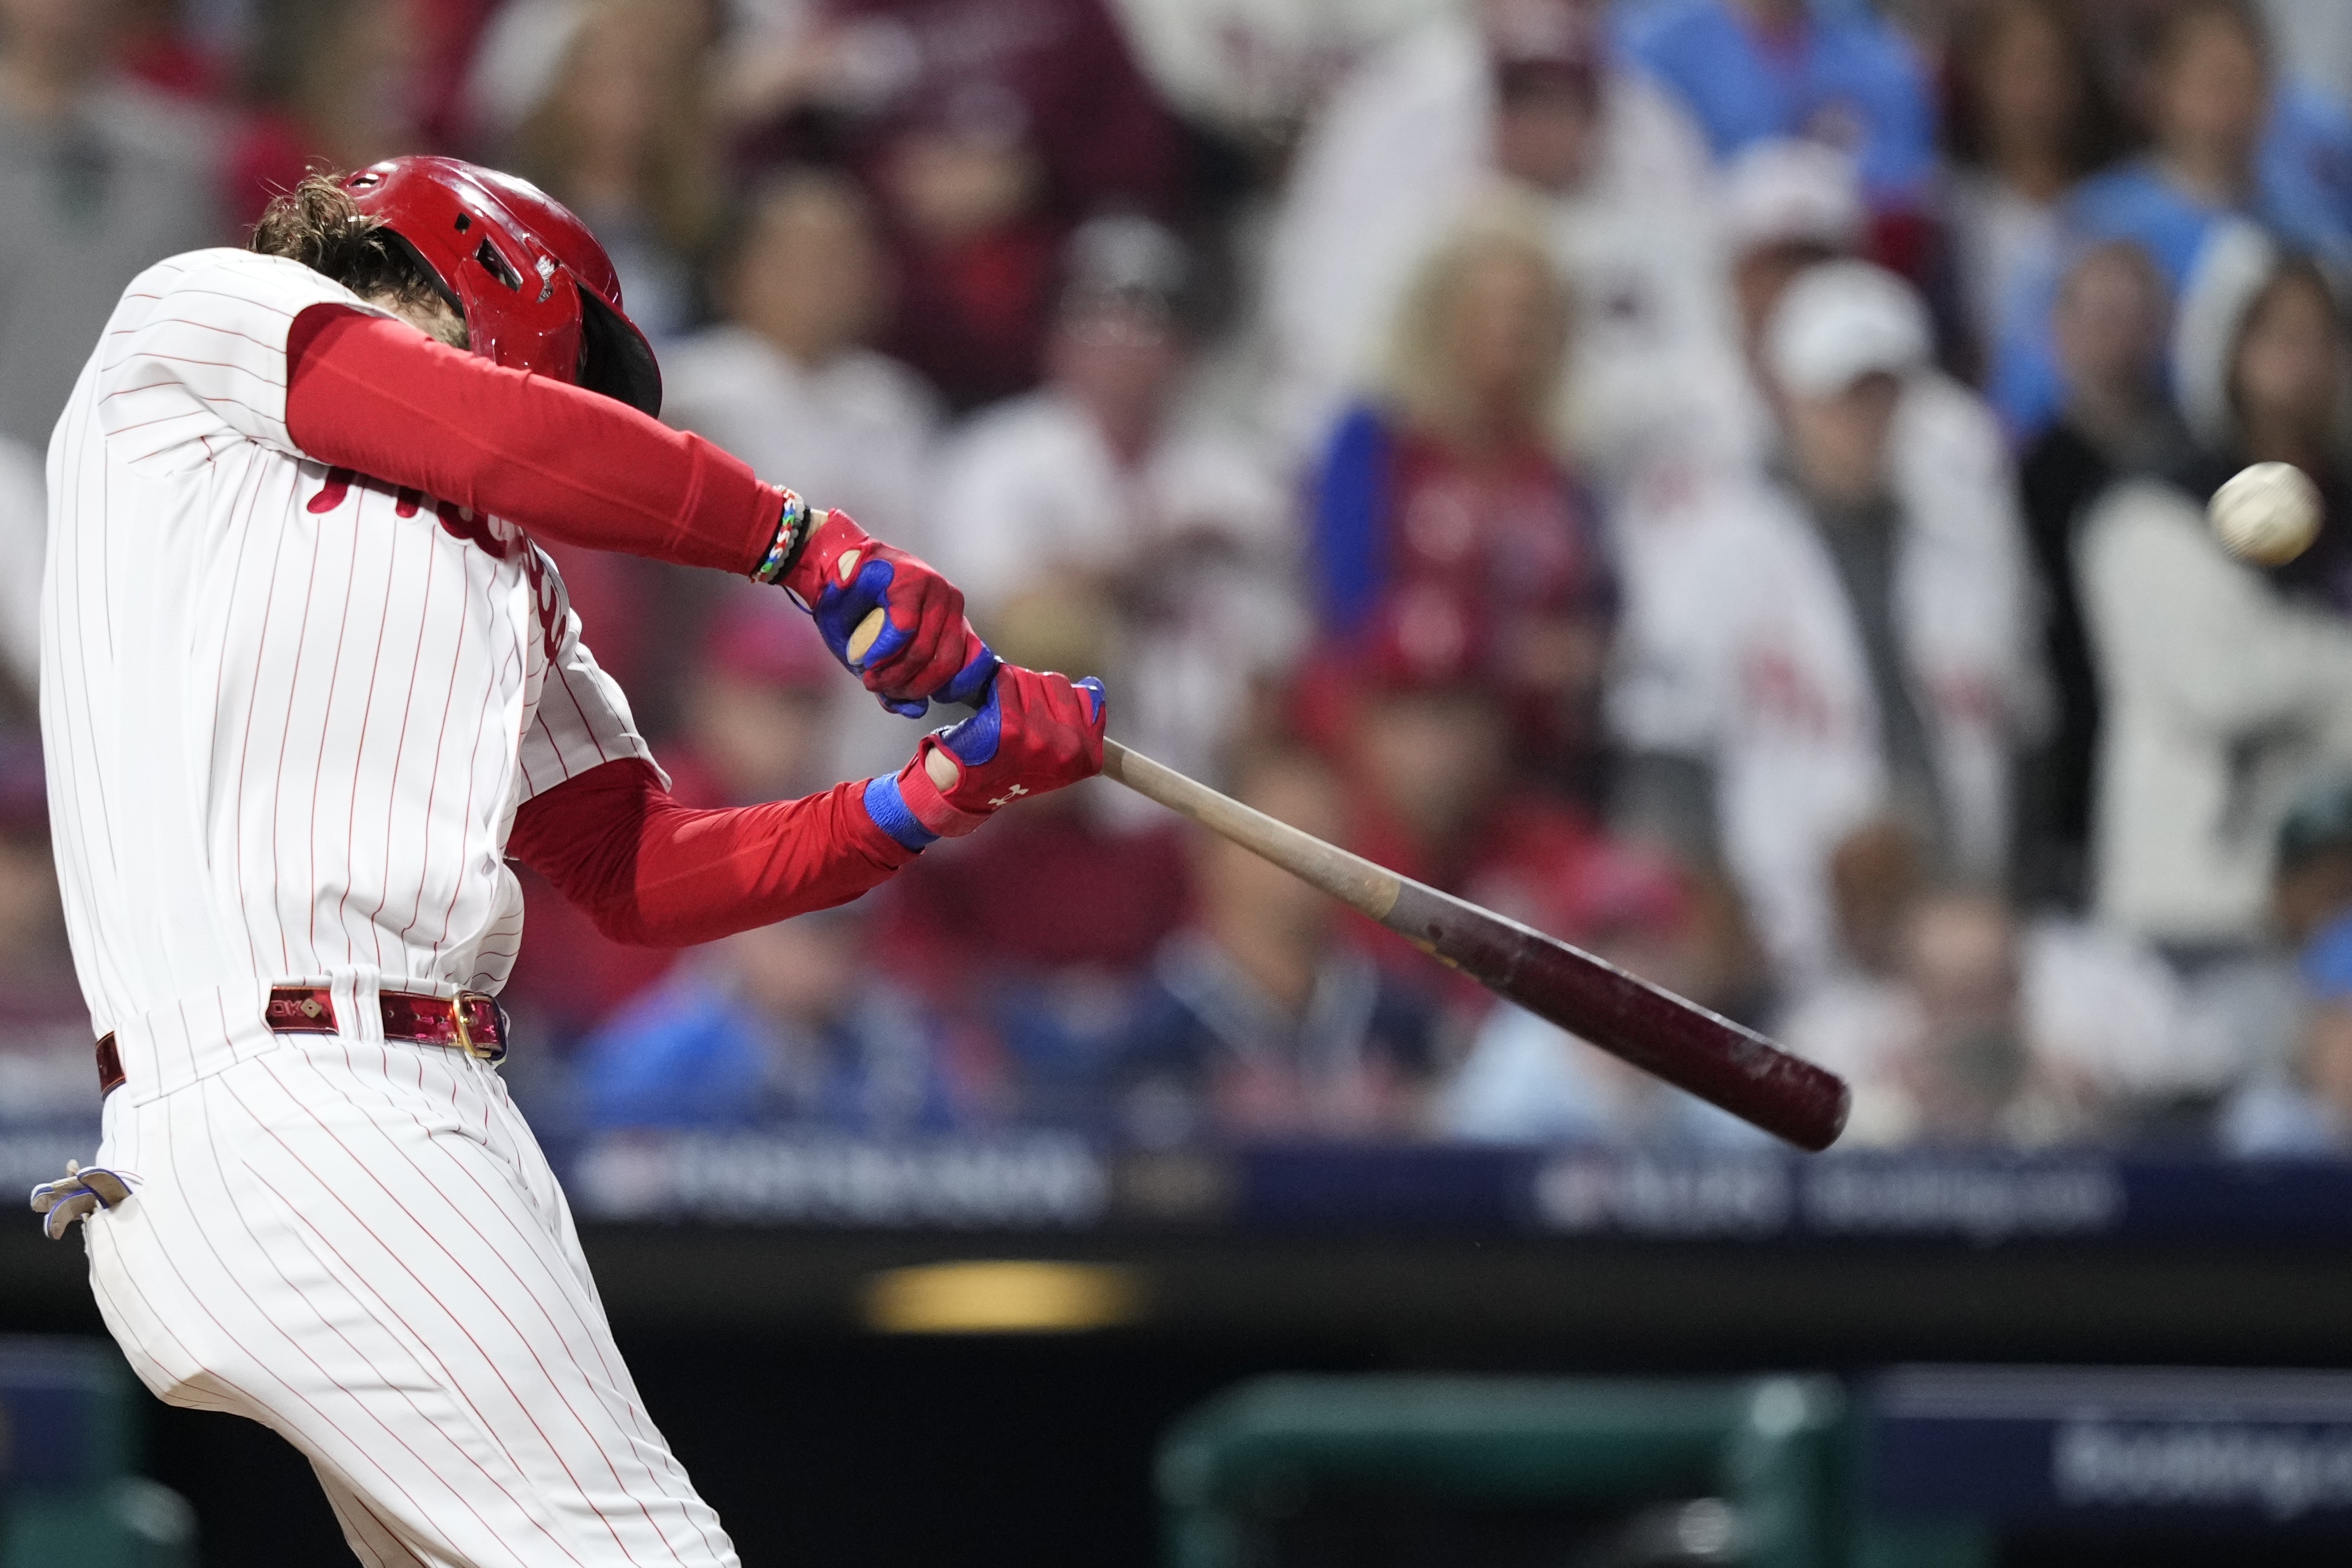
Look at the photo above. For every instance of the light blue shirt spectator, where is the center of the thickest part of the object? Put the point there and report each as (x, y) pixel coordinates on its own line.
(693, 1052)
(2306, 1112)
(1844, 76)
(1527, 1082)
(2302, 194)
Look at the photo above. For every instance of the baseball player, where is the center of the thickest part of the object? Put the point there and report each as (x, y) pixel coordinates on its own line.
(308, 683)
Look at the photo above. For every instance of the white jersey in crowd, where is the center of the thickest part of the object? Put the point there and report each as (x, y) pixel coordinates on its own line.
(856, 429)
(288, 713)
(2225, 700)
(1738, 648)
(1404, 150)
(1030, 489)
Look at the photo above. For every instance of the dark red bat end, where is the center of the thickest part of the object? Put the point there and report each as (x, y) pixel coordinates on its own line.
(1724, 1063)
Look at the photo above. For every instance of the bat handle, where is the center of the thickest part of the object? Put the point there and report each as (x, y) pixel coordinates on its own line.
(1369, 889)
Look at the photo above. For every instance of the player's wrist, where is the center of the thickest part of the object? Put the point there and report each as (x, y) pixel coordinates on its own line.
(832, 550)
(886, 808)
(791, 540)
(928, 800)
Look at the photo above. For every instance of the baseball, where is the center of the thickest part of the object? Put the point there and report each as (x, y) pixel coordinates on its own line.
(2268, 513)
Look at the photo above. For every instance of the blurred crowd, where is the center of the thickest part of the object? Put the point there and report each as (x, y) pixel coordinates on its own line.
(1721, 481)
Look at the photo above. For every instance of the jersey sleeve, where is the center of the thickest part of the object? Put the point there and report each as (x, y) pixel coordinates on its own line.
(196, 354)
(583, 719)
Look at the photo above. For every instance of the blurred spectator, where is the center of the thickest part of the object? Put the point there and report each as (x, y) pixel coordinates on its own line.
(24, 548)
(1512, 95)
(619, 131)
(1253, 70)
(45, 1035)
(760, 707)
(2317, 35)
(1032, 934)
(1527, 1082)
(2248, 1013)
(1258, 1022)
(99, 180)
(1093, 527)
(602, 103)
(2030, 116)
(990, 129)
(1753, 70)
(1943, 1050)
(757, 720)
(2109, 1033)
(1423, 741)
(329, 82)
(1841, 643)
(2218, 149)
(2306, 1110)
(2227, 688)
(1448, 489)
(788, 1025)
(153, 46)
(785, 381)
(1789, 207)
(449, 32)
(2109, 327)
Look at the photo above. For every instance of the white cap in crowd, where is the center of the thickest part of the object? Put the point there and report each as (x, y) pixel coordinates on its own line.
(1841, 321)
(1793, 192)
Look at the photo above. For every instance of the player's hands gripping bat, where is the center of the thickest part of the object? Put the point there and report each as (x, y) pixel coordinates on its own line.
(891, 619)
(1713, 1058)
(1033, 733)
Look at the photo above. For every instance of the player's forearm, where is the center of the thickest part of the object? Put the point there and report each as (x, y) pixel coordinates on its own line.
(381, 398)
(655, 873)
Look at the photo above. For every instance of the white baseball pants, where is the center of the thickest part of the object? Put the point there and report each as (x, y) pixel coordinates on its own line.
(360, 1245)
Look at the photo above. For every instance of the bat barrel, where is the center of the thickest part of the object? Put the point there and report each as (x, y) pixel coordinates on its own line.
(1718, 1061)
(1724, 1063)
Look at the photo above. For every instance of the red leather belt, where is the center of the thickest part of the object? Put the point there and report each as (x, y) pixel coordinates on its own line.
(468, 1021)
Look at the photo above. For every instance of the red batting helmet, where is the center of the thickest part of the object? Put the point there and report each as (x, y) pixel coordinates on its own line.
(536, 289)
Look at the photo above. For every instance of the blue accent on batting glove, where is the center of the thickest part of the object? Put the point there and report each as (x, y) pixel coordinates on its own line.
(1092, 685)
(888, 810)
(975, 740)
(970, 686)
(841, 608)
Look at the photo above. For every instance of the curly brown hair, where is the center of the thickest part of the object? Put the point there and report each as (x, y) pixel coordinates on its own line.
(319, 224)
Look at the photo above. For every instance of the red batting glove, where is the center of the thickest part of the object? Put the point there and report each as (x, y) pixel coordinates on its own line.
(926, 649)
(1033, 734)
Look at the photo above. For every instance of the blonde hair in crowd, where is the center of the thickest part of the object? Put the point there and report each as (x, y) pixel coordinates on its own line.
(1421, 380)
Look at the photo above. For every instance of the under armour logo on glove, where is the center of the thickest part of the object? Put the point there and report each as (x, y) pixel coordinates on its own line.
(83, 1189)
(1032, 734)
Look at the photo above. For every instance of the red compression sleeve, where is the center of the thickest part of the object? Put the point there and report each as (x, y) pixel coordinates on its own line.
(380, 398)
(654, 874)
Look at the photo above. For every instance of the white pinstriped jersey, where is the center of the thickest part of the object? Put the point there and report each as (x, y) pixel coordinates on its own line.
(289, 712)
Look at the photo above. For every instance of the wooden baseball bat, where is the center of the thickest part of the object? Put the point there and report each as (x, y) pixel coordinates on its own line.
(1720, 1061)
(1724, 1063)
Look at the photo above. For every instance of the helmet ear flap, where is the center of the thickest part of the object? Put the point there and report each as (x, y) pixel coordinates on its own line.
(615, 358)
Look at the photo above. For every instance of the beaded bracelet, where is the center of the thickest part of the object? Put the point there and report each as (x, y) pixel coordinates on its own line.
(792, 538)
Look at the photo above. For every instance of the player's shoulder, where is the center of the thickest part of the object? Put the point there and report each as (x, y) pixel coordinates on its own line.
(223, 281)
